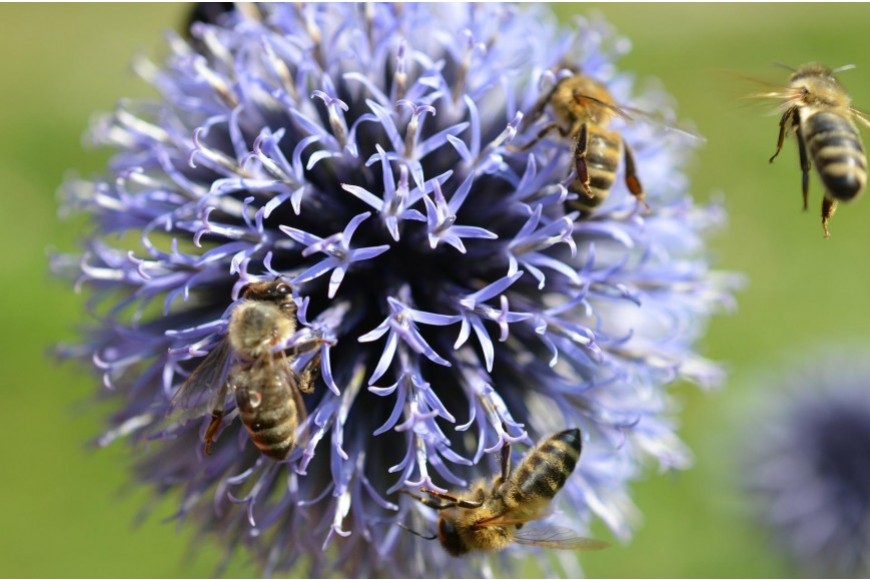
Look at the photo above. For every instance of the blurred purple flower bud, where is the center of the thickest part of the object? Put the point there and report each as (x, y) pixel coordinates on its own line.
(808, 467)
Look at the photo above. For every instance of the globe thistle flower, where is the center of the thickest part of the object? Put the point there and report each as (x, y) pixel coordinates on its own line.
(371, 156)
(809, 470)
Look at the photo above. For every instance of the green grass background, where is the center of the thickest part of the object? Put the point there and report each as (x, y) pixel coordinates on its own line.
(64, 508)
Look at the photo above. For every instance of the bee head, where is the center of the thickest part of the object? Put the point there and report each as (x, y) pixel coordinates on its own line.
(448, 535)
(272, 291)
(278, 292)
(817, 85)
(812, 70)
(591, 97)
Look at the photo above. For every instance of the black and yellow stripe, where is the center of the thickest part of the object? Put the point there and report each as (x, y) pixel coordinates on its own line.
(544, 470)
(603, 152)
(272, 420)
(835, 148)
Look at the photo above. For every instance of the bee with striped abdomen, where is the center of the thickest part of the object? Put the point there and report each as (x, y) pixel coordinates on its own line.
(267, 390)
(490, 517)
(818, 110)
(582, 109)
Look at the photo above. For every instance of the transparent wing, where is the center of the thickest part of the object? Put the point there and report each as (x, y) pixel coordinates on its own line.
(198, 394)
(557, 538)
(754, 80)
(632, 114)
(768, 91)
(861, 116)
(779, 94)
(619, 111)
(657, 120)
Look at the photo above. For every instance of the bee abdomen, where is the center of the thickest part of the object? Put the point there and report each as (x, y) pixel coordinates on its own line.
(602, 159)
(545, 469)
(271, 423)
(836, 149)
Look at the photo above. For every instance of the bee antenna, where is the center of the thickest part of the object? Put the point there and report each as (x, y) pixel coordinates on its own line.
(416, 533)
(845, 67)
(785, 66)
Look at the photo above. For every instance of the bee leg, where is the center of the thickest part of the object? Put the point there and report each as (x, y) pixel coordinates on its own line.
(631, 179)
(428, 501)
(416, 533)
(783, 122)
(308, 345)
(805, 166)
(580, 160)
(454, 501)
(217, 415)
(829, 206)
(309, 374)
(541, 134)
(505, 466)
(211, 430)
(538, 108)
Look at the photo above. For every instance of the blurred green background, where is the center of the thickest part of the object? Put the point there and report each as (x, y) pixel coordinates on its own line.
(63, 509)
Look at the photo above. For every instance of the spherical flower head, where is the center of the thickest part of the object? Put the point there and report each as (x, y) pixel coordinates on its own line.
(381, 159)
(809, 471)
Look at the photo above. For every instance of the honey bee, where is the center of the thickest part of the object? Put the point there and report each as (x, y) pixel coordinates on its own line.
(267, 390)
(491, 518)
(818, 110)
(582, 110)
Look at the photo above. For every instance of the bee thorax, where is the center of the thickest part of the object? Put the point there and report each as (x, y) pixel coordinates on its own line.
(256, 326)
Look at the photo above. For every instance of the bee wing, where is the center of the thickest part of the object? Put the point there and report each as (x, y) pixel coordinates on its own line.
(767, 91)
(657, 120)
(619, 111)
(779, 94)
(863, 117)
(632, 115)
(557, 538)
(198, 393)
(512, 517)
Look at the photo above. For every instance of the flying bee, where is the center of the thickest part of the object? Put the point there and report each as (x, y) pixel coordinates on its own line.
(818, 110)
(582, 111)
(491, 517)
(267, 390)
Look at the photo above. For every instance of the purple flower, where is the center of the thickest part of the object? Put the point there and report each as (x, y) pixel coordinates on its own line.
(809, 467)
(365, 155)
